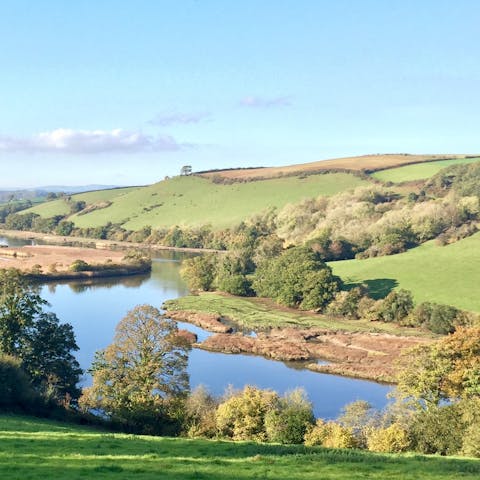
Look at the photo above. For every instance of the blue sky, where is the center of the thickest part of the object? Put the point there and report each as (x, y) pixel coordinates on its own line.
(126, 92)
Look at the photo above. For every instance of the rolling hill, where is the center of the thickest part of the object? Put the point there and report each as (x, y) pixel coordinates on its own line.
(195, 201)
(418, 171)
(364, 163)
(37, 449)
(447, 275)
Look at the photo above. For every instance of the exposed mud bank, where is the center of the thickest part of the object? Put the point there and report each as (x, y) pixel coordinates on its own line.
(371, 356)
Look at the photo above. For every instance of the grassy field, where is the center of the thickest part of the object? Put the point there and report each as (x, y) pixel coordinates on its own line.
(419, 171)
(60, 206)
(448, 274)
(195, 201)
(257, 313)
(363, 162)
(33, 449)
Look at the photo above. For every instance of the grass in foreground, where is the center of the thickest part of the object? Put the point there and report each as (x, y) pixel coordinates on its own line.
(447, 275)
(257, 313)
(38, 449)
(418, 171)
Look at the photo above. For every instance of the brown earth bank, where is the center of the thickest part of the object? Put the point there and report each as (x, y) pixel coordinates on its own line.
(96, 243)
(207, 321)
(372, 356)
(48, 262)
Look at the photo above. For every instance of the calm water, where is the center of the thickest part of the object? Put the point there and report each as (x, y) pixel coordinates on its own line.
(95, 308)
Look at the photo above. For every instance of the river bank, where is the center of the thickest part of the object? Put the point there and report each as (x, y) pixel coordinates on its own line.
(99, 244)
(48, 262)
(354, 348)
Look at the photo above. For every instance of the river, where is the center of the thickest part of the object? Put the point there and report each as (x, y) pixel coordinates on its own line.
(95, 307)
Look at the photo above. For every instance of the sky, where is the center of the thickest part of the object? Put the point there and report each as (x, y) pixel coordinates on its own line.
(125, 92)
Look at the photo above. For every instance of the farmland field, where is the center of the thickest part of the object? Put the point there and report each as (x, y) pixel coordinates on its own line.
(195, 201)
(33, 449)
(448, 274)
(418, 171)
(60, 206)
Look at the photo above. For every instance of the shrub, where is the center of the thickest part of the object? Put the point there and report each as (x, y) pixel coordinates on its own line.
(79, 266)
(289, 423)
(392, 439)
(200, 408)
(438, 430)
(242, 416)
(396, 306)
(15, 388)
(330, 435)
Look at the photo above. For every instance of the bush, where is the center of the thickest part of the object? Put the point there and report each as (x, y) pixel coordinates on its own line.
(396, 306)
(200, 408)
(330, 435)
(15, 388)
(441, 319)
(242, 416)
(438, 430)
(199, 272)
(289, 423)
(392, 439)
(79, 266)
(346, 303)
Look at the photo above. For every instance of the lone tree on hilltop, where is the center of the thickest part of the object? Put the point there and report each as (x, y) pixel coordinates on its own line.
(186, 170)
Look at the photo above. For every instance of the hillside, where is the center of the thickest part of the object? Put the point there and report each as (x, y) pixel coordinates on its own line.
(443, 274)
(38, 449)
(418, 171)
(195, 201)
(367, 163)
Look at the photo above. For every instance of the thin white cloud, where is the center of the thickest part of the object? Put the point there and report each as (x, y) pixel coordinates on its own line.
(64, 140)
(166, 119)
(264, 102)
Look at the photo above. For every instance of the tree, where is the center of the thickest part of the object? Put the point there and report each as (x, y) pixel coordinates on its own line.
(242, 416)
(141, 373)
(396, 306)
(47, 357)
(19, 305)
(297, 278)
(445, 370)
(186, 170)
(199, 272)
(289, 423)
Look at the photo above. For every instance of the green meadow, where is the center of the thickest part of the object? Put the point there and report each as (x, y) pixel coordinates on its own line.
(195, 201)
(60, 206)
(444, 274)
(33, 449)
(417, 171)
(258, 313)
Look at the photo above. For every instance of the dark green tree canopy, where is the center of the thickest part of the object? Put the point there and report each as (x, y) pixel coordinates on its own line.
(297, 278)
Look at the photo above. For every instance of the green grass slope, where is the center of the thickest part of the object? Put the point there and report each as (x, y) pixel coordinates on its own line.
(418, 171)
(195, 201)
(449, 274)
(38, 449)
(60, 206)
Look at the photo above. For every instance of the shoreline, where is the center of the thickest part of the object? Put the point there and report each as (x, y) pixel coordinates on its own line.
(45, 263)
(98, 243)
(366, 355)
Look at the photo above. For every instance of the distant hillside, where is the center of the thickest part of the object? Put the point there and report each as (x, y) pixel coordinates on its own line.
(194, 201)
(366, 163)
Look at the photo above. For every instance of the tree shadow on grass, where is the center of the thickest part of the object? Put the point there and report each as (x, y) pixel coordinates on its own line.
(377, 287)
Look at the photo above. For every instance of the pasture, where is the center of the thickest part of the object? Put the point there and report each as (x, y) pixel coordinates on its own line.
(418, 171)
(194, 201)
(34, 449)
(442, 274)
